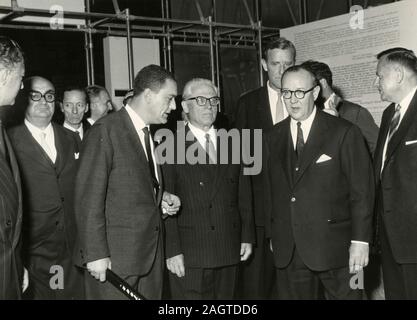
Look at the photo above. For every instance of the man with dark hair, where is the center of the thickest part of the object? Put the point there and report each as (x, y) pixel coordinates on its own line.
(396, 172)
(261, 109)
(335, 105)
(47, 155)
(99, 102)
(319, 193)
(74, 106)
(119, 192)
(12, 70)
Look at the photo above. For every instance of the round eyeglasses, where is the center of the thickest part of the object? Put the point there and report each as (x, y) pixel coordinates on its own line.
(37, 96)
(299, 94)
(202, 101)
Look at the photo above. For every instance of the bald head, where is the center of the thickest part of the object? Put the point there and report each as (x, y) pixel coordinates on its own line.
(41, 101)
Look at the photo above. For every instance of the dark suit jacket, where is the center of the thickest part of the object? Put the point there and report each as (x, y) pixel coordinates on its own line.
(362, 118)
(11, 268)
(48, 190)
(324, 205)
(397, 184)
(253, 112)
(216, 214)
(118, 213)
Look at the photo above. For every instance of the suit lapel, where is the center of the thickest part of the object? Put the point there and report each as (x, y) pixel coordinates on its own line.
(314, 142)
(383, 133)
(264, 108)
(62, 149)
(286, 147)
(409, 118)
(132, 135)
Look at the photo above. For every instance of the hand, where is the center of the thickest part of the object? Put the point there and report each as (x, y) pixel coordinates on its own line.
(98, 268)
(176, 265)
(25, 283)
(245, 251)
(358, 257)
(170, 203)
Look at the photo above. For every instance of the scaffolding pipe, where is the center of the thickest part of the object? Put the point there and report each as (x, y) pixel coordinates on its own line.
(168, 37)
(259, 31)
(129, 48)
(213, 76)
(88, 39)
(87, 58)
(164, 39)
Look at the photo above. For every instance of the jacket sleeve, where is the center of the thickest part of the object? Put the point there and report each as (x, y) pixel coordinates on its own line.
(245, 208)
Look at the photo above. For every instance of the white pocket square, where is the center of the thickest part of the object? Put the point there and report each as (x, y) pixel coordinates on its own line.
(76, 155)
(410, 142)
(323, 157)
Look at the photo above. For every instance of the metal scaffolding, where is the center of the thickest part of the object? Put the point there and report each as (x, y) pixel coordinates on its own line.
(206, 31)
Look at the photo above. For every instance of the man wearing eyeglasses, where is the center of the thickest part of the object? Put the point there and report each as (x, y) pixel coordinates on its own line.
(12, 70)
(319, 196)
(99, 102)
(47, 155)
(214, 230)
(74, 106)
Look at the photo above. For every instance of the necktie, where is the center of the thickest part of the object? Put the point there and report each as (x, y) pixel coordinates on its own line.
(300, 141)
(150, 158)
(279, 111)
(210, 150)
(394, 122)
(3, 148)
(46, 147)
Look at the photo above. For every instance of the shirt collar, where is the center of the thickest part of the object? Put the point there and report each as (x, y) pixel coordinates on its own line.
(80, 129)
(331, 98)
(136, 119)
(405, 102)
(201, 134)
(37, 131)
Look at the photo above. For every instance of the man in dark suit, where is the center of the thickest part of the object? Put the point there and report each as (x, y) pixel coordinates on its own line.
(119, 190)
(12, 70)
(100, 103)
(74, 106)
(214, 229)
(396, 172)
(335, 105)
(261, 109)
(47, 156)
(318, 194)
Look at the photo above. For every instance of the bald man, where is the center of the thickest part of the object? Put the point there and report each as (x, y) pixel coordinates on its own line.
(47, 155)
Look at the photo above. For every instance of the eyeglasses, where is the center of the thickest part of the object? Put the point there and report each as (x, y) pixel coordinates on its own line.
(70, 105)
(202, 101)
(299, 94)
(37, 96)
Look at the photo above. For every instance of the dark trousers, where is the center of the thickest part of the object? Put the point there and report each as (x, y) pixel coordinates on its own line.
(204, 284)
(257, 274)
(400, 280)
(298, 282)
(148, 285)
(52, 273)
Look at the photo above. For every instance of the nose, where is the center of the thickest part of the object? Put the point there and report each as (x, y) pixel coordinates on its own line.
(376, 82)
(21, 85)
(74, 109)
(293, 98)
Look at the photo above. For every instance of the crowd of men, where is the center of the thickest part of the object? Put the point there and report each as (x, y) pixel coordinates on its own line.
(89, 194)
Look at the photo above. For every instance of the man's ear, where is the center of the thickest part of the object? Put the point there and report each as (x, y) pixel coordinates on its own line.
(148, 94)
(86, 108)
(323, 83)
(316, 92)
(399, 73)
(264, 65)
(61, 106)
(185, 106)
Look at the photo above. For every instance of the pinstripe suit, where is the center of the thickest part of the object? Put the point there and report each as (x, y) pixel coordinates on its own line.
(215, 218)
(11, 269)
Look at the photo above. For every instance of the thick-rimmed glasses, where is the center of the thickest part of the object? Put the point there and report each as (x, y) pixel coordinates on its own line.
(299, 94)
(202, 101)
(37, 96)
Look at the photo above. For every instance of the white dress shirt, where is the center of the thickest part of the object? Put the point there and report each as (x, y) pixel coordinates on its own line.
(139, 124)
(90, 121)
(273, 98)
(305, 126)
(80, 130)
(49, 138)
(405, 103)
(327, 102)
(201, 135)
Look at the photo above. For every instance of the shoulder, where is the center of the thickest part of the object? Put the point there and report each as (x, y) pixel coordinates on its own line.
(252, 94)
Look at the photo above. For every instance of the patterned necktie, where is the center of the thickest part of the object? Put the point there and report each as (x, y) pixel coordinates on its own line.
(210, 150)
(300, 141)
(46, 147)
(279, 111)
(393, 126)
(150, 158)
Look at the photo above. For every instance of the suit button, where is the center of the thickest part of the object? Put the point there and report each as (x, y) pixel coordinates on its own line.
(201, 184)
(212, 228)
(8, 223)
(293, 199)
